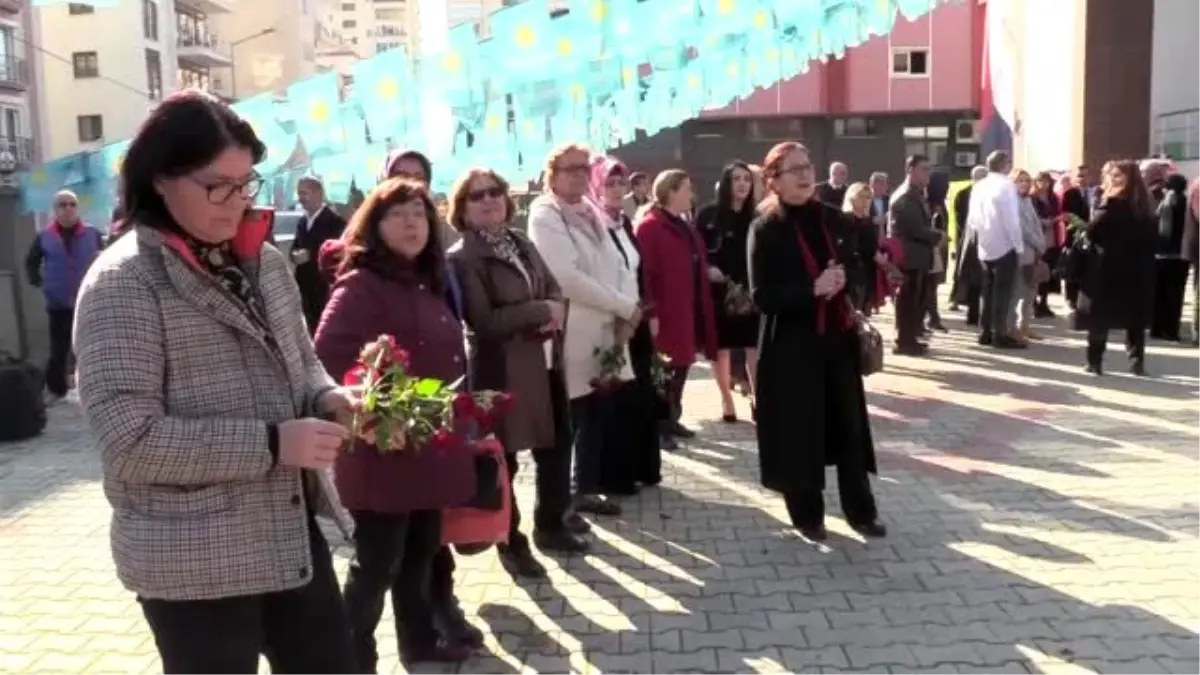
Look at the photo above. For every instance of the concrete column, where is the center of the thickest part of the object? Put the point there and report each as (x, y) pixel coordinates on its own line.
(23, 329)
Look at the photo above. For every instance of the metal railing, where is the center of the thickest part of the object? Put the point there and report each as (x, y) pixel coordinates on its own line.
(14, 72)
(20, 146)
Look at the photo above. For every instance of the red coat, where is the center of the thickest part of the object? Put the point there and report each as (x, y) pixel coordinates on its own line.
(363, 306)
(672, 286)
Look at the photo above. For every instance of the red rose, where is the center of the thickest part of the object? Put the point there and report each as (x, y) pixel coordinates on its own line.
(356, 375)
(401, 357)
(463, 407)
(443, 439)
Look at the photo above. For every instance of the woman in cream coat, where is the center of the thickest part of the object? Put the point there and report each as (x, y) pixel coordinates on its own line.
(602, 308)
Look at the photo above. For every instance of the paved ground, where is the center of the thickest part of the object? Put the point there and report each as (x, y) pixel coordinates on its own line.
(1042, 521)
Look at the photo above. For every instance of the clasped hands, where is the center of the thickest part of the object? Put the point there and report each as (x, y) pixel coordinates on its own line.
(831, 281)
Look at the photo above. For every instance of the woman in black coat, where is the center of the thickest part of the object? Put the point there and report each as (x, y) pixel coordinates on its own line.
(1117, 287)
(812, 410)
(935, 196)
(1171, 268)
(724, 225)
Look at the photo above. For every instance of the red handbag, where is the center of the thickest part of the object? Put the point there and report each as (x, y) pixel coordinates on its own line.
(473, 530)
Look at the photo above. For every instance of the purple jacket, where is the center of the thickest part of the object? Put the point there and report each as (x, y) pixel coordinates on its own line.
(364, 305)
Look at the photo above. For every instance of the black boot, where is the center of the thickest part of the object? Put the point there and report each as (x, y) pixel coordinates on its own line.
(452, 624)
(519, 562)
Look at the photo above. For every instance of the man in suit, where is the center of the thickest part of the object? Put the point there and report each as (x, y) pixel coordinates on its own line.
(910, 221)
(833, 191)
(879, 202)
(320, 224)
(1078, 200)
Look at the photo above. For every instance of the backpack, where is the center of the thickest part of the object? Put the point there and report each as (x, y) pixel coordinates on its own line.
(24, 408)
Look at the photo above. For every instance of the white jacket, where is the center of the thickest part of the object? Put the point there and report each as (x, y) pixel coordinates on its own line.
(596, 283)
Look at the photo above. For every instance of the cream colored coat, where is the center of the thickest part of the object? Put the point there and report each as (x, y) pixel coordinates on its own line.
(595, 282)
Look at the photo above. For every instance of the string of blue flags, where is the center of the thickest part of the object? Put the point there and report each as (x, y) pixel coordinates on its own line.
(594, 74)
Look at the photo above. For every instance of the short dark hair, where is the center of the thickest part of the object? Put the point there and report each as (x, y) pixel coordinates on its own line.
(362, 243)
(637, 178)
(914, 161)
(998, 161)
(457, 207)
(187, 131)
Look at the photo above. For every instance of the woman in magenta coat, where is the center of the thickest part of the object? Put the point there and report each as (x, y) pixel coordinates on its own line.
(389, 282)
(677, 275)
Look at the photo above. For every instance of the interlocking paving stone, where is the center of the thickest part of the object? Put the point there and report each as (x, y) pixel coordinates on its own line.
(1041, 521)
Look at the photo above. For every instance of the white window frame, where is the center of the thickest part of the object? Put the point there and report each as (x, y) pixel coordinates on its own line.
(907, 52)
(1170, 124)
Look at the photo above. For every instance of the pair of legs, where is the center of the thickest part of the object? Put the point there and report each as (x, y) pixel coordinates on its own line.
(303, 630)
(1135, 348)
(670, 428)
(62, 322)
(910, 311)
(999, 285)
(725, 379)
(932, 315)
(1024, 297)
(593, 417)
(396, 550)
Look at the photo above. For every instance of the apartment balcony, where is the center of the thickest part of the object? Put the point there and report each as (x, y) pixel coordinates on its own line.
(11, 6)
(204, 51)
(21, 147)
(204, 6)
(14, 74)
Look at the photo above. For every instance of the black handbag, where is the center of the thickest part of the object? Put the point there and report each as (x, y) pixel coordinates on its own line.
(21, 400)
(870, 345)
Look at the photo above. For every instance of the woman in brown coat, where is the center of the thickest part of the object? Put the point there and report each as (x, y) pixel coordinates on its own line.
(514, 314)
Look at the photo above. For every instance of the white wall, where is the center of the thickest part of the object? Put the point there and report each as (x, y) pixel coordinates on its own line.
(1050, 137)
(120, 94)
(1174, 83)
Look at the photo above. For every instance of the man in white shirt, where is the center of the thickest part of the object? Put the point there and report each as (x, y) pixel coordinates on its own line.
(994, 218)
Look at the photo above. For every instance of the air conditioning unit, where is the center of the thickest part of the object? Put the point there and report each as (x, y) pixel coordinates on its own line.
(965, 159)
(968, 131)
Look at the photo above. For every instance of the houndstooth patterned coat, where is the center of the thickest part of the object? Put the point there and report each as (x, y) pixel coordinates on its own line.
(179, 386)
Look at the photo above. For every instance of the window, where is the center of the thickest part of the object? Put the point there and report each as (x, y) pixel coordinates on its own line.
(154, 76)
(86, 64)
(80, 8)
(1177, 135)
(10, 123)
(349, 23)
(150, 19)
(347, 6)
(91, 128)
(908, 62)
(930, 141)
(854, 127)
(8, 43)
(195, 79)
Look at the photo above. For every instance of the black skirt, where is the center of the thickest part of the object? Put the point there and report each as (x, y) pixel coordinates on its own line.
(733, 331)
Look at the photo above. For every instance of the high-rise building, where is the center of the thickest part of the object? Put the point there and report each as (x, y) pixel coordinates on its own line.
(271, 43)
(101, 69)
(18, 97)
(373, 26)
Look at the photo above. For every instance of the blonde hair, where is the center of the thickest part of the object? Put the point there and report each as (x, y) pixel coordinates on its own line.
(556, 156)
(667, 183)
(853, 192)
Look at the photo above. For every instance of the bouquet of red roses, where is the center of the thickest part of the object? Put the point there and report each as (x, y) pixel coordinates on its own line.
(403, 410)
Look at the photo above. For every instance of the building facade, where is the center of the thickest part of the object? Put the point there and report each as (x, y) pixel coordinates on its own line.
(97, 83)
(19, 118)
(1175, 85)
(915, 90)
(373, 26)
(270, 44)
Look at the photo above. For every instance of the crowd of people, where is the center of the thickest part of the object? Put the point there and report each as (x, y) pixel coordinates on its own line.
(211, 371)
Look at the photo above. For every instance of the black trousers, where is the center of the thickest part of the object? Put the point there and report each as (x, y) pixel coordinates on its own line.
(910, 307)
(591, 416)
(62, 321)
(999, 282)
(1135, 345)
(387, 547)
(677, 377)
(552, 482)
(806, 506)
(1195, 303)
(303, 630)
(1170, 285)
(974, 297)
(931, 299)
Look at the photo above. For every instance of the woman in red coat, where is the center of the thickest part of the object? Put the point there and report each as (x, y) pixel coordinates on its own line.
(677, 274)
(390, 282)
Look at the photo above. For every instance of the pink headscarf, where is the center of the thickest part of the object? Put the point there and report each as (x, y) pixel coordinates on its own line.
(603, 167)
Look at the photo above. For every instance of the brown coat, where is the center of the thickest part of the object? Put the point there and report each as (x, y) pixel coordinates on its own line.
(503, 313)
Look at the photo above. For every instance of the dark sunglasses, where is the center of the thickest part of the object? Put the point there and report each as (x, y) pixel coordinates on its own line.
(495, 192)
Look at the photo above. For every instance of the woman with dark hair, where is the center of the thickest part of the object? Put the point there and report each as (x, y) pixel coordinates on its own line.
(1171, 268)
(199, 381)
(935, 195)
(812, 410)
(1045, 203)
(1117, 287)
(724, 225)
(390, 282)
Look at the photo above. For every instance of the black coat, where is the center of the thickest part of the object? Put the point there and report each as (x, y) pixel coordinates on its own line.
(810, 400)
(724, 232)
(314, 289)
(1119, 276)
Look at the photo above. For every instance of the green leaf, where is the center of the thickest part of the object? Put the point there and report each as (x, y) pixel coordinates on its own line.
(427, 387)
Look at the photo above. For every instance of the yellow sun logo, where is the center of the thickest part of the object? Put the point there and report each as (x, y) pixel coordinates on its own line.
(388, 89)
(526, 37)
